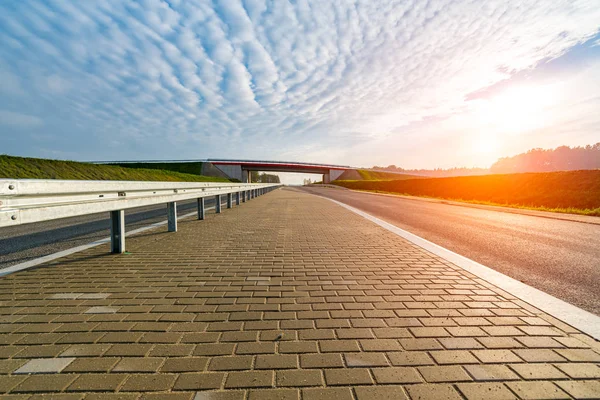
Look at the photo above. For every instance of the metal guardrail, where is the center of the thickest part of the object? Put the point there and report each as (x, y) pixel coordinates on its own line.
(25, 201)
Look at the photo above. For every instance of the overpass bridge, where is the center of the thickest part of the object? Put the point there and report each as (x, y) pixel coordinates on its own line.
(237, 169)
(241, 169)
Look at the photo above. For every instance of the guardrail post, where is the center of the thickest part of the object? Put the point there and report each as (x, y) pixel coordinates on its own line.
(201, 208)
(237, 198)
(218, 204)
(117, 231)
(229, 199)
(243, 196)
(172, 216)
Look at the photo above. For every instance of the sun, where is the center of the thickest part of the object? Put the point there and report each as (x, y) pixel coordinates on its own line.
(518, 109)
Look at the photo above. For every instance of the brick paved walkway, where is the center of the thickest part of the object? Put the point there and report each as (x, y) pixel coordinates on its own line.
(285, 297)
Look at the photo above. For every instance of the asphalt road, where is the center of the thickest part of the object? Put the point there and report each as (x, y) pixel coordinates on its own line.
(26, 242)
(559, 257)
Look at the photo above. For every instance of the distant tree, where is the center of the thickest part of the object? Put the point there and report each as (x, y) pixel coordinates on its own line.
(563, 158)
(257, 177)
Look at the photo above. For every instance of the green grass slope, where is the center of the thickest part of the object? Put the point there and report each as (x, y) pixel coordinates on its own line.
(37, 168)
(563, 191)
(369, 175)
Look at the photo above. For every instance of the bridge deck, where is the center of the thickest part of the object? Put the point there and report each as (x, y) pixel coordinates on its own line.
(288, 296)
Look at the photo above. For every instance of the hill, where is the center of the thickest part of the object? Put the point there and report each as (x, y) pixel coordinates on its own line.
(38, 168)
(564, 191)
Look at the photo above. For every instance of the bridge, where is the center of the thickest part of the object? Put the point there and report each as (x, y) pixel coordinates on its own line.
(238, 169)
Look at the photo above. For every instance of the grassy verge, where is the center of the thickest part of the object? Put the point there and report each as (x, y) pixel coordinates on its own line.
(574, 192)
(369, 175)
(37, 168)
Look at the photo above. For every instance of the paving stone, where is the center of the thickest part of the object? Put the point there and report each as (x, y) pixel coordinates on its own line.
(171, 350)
(581, 389)
(44, 383)
(327, 394)
(141, 364)
(277, 361)
(199, 381)
(168, 396)
(86, 350)
(230, 363)
(539, 355)
(272, 394)
(380, 345)
(393, 375)
(582, 355)
(366, 360)
(491, 372)
(488, 391)
(537, 371)
(321, 361)
(496, 356)
(453, 357)
(9, 382)
(410, 358)
(8, 366)
(537, 390)
(98, 364)
(129, 350)
(97, 383)
(298, 347)
(580, 370)
(187, 364)
(255, 348)
(101, 310)
(44, 366)
(433, 392)
(148, 382)
(348, 377)
(444, 374)
(249, 379)
(338, 346)
(299, 378)
(111, 396)
(380, 393)
(460, 343)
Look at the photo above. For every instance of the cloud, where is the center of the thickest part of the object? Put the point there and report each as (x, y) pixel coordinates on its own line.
(20, 121)
(257, 79)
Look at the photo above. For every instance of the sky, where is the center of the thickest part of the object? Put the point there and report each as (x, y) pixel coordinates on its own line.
(418, 84)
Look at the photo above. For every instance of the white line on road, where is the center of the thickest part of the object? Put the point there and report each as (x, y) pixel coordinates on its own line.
(572, 315)
(51, 257)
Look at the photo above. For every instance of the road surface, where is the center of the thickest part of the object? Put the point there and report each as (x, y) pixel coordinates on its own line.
(26, 242)
(559, 257)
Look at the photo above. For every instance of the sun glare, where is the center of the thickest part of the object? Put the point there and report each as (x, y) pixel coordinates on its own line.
(519, 109)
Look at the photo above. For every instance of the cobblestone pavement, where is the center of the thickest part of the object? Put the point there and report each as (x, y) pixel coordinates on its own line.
(288, 296)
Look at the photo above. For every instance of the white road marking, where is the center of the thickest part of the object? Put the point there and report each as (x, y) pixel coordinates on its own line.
(572, 315)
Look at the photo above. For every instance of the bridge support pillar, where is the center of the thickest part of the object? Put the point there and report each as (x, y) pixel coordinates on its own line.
(117, 231)
(172, 216)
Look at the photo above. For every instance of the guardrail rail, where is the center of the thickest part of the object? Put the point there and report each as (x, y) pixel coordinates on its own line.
(25, 201)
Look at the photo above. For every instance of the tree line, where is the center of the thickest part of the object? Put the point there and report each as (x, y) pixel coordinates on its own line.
(257, 177)
(563, 158)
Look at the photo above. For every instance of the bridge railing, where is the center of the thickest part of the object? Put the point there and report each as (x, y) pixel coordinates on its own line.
(25, 201)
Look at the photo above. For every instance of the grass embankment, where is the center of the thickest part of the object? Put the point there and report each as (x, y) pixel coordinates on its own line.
(575, 192)
(38, 168)
(369, 175)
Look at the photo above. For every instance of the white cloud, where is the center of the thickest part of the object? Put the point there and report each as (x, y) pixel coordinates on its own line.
(346, 82)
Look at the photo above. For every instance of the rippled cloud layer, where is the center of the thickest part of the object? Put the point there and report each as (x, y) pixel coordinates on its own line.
(353, 82)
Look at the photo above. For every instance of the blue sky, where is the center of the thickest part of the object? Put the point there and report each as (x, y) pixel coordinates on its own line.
(419, 84)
